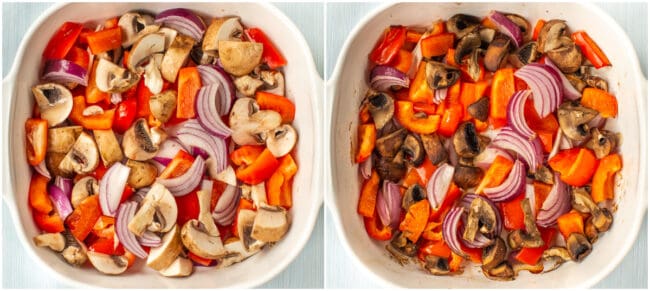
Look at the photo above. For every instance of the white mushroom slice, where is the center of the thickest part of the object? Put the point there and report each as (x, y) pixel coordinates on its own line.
(255, 129)
(201, 236)
(239, 57)
(181, 267)
(170, 35)
(148, 45)
(270, 224)
(281, 140)
(163, 105)
(247, 85)
(273, 82)
(176, 57)
(112, 78)
(227, 28)
(83, 158)
(107, 264)
(236, 252)
(109, 147)
(54, 102)
(142, 174)
(163, 256)
(92, 110)
(242, 110)
(83, 188)
(152, 77)
(245, 221)
(135, 26)
(54, 241)
(139, 143)
(246, 191)
(158, 212)
(258, 195)
(61, 139)
(142, 218)
(227, 176)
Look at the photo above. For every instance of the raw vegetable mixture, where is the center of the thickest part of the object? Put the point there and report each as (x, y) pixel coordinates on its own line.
(484, 140)
(160, 138)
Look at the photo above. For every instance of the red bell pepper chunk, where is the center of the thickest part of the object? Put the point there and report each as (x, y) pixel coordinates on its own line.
(375, 229)
(78, 56)
(246, 155)
(280, 104)
(82, 220)
(513, 215)
(367, 134)
(531, 256)
(389, 46)
(270, 54)
(188, 207)
(62, 41)
(125, 114)
(49, 223)
(181, 162)
(189, 83)
(105, 40)
(36, 134)
(576, 166)
(199, 260)
(97, 121)
(260, 170)
(38, 197)
(106, 245)
(590, 49)
(434, 248)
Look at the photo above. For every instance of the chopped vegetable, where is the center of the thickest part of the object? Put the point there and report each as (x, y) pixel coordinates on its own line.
(367, 136)
(62, 40)
(590, 49)
(189, 83)
(600, 101)
(280, 104)
(602, 186)
(576, 166)
(104, 40)
(271, 55)
(36, 146)
(389, 46)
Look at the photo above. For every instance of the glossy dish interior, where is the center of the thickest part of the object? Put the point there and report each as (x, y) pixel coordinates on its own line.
(303, 87)
(349, 85)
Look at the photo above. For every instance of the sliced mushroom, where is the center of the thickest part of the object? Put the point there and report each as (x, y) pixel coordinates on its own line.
(381, 106)
(436, 265)
(135, 26)
(466, 140)
(413, 150)
(494, 254)
(162, 105)
(251, 125)
(227, 28)
(112, 78)
(52, 162)
(258, 195)
(54, 102)
(247, 85)
(273, 82)
(576, 81)
(602, 142)
(164, 255)
(573, 119)
(549, 34)
(567, 56)
(388, 146)
(526, 54)
(170, 35)
(473, 66)
(596, 82)
(521, 22)
(242, 110)
(579, 246)
(152, 77)
(83, 188)
(466, 45)
(271, 223)
(239, 57)
(533, 269)
(532, 237)
(601, 218)
(245, 221)
(144, 48)
(401, 249)
(462, 24)
(487, 36)
(544, 175)
(142, 174)
(61, 139)
(109, 147)
(440, 76)
(108, 264)
(235, 253)
(502, 272)
(496, 52)
(559, 254)
(434, 147)
(157, 213)
(467, 177)
(480, 109)
(54, 241)
(387, 169)
(74, 252)
(83, 158)
(201, 235)
(413, 194)
(180, 267)
(281, 140)
(139, 143)
(481, 218)
(591, 232)
(176, 57)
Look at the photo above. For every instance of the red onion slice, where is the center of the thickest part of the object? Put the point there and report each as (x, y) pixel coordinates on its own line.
(439, 95)
(567, 88)
(149, 239)
(383, 78)
(545, 84)
(366, 168)
(186, 183)
(515, 114)
(438, 185)
(487, 156)
(64, 72)
(192, 134)
(450, 230)
(124, 214)
(557, 203)
(381, 206)
(507, 27)
(184, 21)
(207, 112)
(393, 199)
(530, 151)
(226, 208)
(61, 201)
(211, 74)
(64, 184)
(41, 168)
(513, 185)
(111, 187)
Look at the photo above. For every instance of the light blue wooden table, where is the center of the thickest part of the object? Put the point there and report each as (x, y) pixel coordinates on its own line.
(342, 272)
(19, 271)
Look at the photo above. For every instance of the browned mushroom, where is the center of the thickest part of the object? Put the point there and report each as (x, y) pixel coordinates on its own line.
(579, 246)
(480, 109)
(602, 142)
(381, 107)
(413, 150)
(436, 265)
(481, 218)
(413, 194)
(467, 177)
(466, 45)
(521, 22)
(434, 147)
(494, 254)
(462, 24)
(496, 52)
(388, 146)
(402, 249)
(526, 54)
(502, 272)
(544, 175)
(466, 140)
(581, 200)
(440, 76)
(573, 119)
(532, 237)
(567, 57)
(596, 82)
(387, 169)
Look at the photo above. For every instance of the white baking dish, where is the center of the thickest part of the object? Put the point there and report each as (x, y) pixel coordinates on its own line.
(303, 87)
(349, 84)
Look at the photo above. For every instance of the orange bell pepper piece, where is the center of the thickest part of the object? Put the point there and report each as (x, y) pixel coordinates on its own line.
(406, 117)
(412, 178)
(367, 136)
(246, 154)
(426, 169)
(388, 47)
(436, 45)
(403, 61)
(189, 83)
(188, 207)
(48, 222)
(538, 27)
(450, 119)
(576, 166)
(415, 220)
(503, 86)
(280, 104)
(38, 197)
(276, 195)
(364, 114)
(104, 227)
(570, 222)
(368, 196)
(541, 193)
(470, 93)
(181, 162)
(590, 49)
(93, 94)
(105, 40)
(98, 121)
(602, 186)
(375, 230)
(82, 220)
(36, 144)
(260, 170)
(495, 174)
(413, 36)
(600, 101)
(427, 108)
(419, 90)
(434, 248)
(513, 215)
(433, 231)
(475, 255)
(532, 255)
(455, 263)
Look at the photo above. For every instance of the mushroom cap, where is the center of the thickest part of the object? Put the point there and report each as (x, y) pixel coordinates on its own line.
(466, 140)
(176, 56)
(271, 223)
(239, 57)
(135, 26)
(579, 246)
(462, 24)
(567, 56)
(273, 82)
(467, 177)
(480, 109)
(166, 208)
(381, 106)
(388, 145)
(496, 52)
(247, 85)
(162, 105)
(180, 267)
(112, 78)
(54, 241)
(573, 119)
(61, 139)
(494, 254)
(148, 45)
(413, 150)
(54, 102)
(440, 76)
(245, 221)
(83, 158)
(108, 146)
(226, 28)
(163, 256)
(281, 140)
(242, 110)
(235, 253)
(436, 265)
(434, 147)
(466, 45)
(198, 241)
(85, 187)
(138, 142)
(108, 264)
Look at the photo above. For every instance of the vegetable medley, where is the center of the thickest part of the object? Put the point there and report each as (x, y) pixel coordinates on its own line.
(484, 140)
(160, 138)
